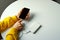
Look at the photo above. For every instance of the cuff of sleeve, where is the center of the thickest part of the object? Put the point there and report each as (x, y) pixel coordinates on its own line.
(15, 18)
(13, 33)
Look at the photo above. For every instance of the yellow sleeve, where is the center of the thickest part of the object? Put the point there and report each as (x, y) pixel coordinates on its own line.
(12, 34)
(7, 22)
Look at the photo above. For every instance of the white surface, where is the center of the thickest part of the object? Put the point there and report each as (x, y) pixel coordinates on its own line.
(34, 26)
(46, 12)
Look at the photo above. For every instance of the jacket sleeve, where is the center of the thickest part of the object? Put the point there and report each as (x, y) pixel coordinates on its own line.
(7, 22)
(12, 34)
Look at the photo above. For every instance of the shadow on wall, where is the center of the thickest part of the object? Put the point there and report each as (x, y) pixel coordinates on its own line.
(4, 4)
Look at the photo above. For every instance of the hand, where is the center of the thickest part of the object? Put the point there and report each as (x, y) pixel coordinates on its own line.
(28, 16)
(18, 25)
(19, 13)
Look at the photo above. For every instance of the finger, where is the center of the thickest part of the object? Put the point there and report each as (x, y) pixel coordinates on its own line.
(28, 16)
(20, 21)
(20, 11)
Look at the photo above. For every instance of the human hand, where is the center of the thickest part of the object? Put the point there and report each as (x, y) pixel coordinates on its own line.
(19, 13)
(18, 25)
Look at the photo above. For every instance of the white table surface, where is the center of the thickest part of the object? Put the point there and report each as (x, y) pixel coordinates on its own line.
(46, 12)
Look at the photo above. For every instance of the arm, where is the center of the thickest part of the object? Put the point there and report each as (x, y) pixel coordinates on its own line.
(7, 22)
(13, 32)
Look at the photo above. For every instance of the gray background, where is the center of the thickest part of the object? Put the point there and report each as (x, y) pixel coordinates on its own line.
(4, 4)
